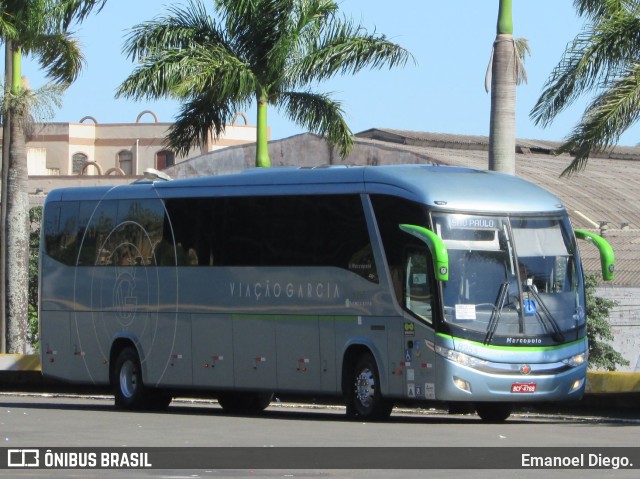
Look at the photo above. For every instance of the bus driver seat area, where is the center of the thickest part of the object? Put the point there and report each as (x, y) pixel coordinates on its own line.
(481, 278)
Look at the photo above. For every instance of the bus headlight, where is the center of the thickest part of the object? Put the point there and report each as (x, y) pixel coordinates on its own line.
(577, 384)
(459, 358)
(576, 360)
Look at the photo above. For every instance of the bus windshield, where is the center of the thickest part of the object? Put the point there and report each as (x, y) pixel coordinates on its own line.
(512, 280)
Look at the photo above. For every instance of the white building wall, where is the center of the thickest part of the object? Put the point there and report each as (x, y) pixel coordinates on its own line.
(624, 319)
(37, 161)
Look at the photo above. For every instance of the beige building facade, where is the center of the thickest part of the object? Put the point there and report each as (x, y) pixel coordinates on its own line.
(90, 148)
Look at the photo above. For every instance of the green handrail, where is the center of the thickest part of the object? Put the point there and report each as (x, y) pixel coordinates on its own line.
(436, 246)
(607, 259)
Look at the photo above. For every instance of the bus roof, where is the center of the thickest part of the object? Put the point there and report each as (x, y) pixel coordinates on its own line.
(440, 187)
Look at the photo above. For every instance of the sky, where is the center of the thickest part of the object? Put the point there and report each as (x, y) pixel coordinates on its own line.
(443, 92)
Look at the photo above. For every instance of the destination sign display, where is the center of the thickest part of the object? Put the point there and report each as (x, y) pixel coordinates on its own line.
(474, 222)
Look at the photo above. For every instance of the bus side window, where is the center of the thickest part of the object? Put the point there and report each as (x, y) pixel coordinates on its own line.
(61, 240)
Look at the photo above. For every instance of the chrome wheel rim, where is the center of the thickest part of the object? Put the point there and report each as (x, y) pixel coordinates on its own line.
(365, 387)
(128, 379)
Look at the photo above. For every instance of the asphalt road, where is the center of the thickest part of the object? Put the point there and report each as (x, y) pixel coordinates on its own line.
(48, 422)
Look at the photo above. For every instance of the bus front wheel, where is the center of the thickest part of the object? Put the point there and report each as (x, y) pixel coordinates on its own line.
(127, 380)
(366, 401)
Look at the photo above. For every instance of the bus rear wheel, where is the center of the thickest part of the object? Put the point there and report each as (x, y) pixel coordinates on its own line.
(493, 411)
(127, 380)
(366, 401)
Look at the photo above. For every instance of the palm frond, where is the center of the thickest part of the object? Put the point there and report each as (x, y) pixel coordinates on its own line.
(346, 48)
(522, 51)
(289, 36)
(180, 28)
(599, 9)
(180, 73)
(253, 28)
(197, 118)
(46, 100)
(595, 56)
(60, 56)
(68, 12)
(252, 47)
(609, 115)
(214, 69)
(321, 114)
(34, 105)
(7, 28)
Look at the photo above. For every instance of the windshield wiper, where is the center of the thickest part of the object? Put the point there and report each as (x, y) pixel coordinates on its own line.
(550, 322)
(497, 312)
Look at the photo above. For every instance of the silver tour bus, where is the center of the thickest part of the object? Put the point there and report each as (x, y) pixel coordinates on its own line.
(377, 285)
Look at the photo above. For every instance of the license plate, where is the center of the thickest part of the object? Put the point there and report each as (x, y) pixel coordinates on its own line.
(523, 387)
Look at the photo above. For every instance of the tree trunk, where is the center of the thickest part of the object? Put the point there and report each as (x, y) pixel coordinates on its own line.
(6, 140)
(262, 145)
(17, 280)
(17, 226)
(502, 133)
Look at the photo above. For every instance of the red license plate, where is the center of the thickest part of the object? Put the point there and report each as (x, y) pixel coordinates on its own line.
(523, 387)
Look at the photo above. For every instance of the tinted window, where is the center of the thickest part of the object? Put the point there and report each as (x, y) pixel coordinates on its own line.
(295, 231)
(60, 230)
(408, 259)
(273, 231)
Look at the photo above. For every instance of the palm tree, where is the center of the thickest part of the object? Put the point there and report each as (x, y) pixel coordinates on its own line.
(267, 51)
(505, 71)
(604, 57)
(38, 28)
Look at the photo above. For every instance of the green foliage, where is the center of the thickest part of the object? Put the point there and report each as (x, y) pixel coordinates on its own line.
(602, 61)
(601, 354)
(266, 51)
(35, 219)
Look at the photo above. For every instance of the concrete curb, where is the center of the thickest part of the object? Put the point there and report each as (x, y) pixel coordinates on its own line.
(19, 362)
(614, 382)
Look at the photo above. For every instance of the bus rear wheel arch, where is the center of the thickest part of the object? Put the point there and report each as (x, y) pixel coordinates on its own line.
(127, 380)
(128, 387)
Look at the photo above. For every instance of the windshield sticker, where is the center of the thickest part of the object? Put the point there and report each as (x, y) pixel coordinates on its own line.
(530, 307)
(466, 311)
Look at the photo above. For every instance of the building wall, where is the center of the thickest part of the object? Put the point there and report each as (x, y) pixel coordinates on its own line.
(101, 143)
(625, 323)
(37, 161)
(304, 150)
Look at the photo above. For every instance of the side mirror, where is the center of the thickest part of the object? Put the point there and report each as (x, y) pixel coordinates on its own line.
(607, 259)
(436, 247)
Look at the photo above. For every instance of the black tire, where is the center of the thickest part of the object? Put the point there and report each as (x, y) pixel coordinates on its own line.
(493, 411)
(365, 400)
(245, 403)
(127, 381)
